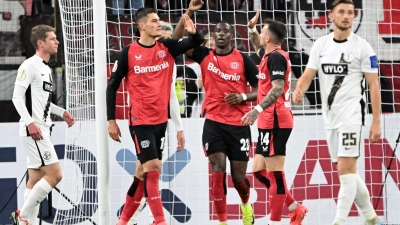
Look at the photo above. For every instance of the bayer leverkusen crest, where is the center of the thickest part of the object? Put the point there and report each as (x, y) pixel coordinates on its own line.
(313, 17)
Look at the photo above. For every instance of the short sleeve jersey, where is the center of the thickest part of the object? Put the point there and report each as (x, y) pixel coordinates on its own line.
(223, 74)
(341, 66)
(35, 75)
(148, 76)
(275, 65)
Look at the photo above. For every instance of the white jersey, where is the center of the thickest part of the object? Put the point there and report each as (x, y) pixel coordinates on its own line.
(35, 75)
(341, 66)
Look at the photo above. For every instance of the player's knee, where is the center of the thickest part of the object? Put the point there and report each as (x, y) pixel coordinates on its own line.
(346, 165)
(218, 167)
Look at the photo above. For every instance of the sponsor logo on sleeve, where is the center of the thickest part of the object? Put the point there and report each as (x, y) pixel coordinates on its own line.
(278, 73)
(21, 75)
(115, 66)
(374, 62)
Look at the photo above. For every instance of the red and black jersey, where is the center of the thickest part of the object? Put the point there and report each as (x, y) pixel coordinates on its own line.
(148, 76)
(275, 65)
(223, 74)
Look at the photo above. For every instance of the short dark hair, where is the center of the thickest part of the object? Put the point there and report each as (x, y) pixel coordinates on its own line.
(337, 2)
(143, 12)
(39, 32)
(278, 29)
(226, 22)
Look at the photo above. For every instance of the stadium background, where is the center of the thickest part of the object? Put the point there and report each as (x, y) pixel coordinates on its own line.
(18, 17)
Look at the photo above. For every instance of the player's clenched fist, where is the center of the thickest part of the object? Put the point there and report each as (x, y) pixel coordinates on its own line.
(297, 96)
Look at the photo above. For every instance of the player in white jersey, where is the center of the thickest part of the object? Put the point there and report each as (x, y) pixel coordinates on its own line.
(342, 60)
(32, 99)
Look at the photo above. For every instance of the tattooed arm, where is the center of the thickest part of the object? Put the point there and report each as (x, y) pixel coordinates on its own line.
(270, 98)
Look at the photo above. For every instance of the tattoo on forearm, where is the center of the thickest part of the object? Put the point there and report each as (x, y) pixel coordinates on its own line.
(273, 94)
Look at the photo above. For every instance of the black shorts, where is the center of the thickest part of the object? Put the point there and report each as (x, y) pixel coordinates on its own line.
(234, 141)
(149, 141)
(272, 141)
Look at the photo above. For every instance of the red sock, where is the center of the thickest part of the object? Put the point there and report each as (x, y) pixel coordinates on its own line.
(289, 198)
(244, 190)
(132, 200)
(277, 194)
(152, 195)
(262, 177)
(218, 191)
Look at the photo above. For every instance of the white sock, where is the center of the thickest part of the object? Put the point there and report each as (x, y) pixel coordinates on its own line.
(33, 219)
(135, 216)
(292, 206)
(274, 222)
(38, 193)
(363, 201)
(347, 193)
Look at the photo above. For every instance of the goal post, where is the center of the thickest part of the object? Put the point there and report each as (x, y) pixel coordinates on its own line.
(100, 75)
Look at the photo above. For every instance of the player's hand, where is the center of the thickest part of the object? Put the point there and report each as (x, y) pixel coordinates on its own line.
(375, 132)
(250, 117)
(189, 25)
(297, 96)
(195, 5)
(113, 130)
(253, 20)
(233, 98)
(181, 141)
(35, 132)
(69, 118)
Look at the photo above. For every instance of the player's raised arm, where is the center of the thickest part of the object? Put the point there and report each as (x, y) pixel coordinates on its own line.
(254, 35)
(180, 46)
(179, 31)
(118, 73)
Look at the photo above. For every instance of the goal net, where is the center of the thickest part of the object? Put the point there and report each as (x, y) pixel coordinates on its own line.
(186, 176)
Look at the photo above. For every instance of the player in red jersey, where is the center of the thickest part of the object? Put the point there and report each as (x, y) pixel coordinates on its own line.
(225, 73)
(147, 66)
(275, 118)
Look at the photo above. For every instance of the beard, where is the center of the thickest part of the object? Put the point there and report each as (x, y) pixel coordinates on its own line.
(343, 28)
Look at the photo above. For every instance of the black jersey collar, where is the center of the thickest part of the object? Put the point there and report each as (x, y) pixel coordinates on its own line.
(225, 53)
(146, 46)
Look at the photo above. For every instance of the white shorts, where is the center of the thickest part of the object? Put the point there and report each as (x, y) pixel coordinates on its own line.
(40, 153)
(344, 141)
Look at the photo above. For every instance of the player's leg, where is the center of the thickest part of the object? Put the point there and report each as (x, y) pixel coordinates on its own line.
(42, 156)
(151, 161)
(218, 188)
(34, 176)
(149, 141)
(133, 196)
(275, 155)
(260, 173)
(352, 188)
(239, 142)
(215, 148)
